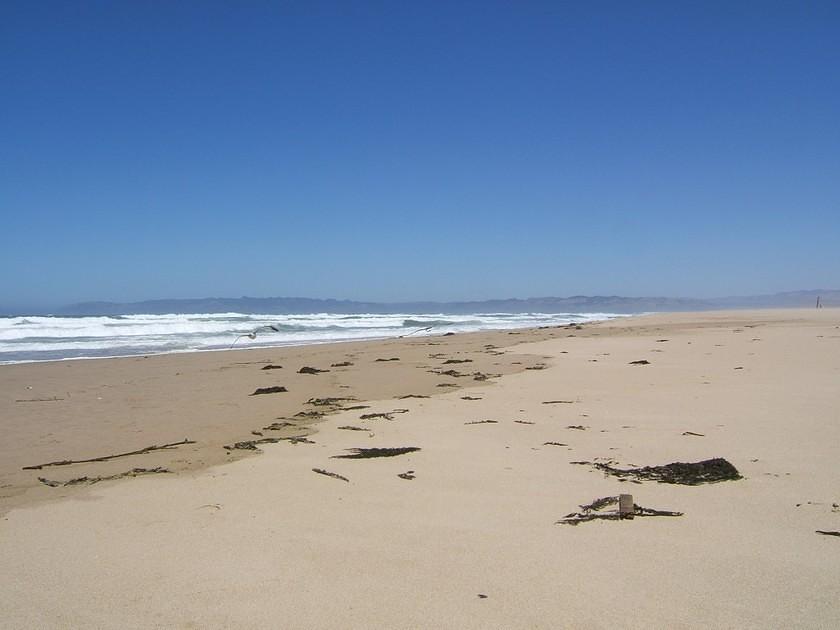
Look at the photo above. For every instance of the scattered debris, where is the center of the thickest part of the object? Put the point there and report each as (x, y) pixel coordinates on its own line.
(309, 414)
(104, 458)
(134, 472)
(342, 364)
(640, 362)
(408, 475)
(310, 370)
(694, 434)
(687, 474)
(452, 373)
(272, 367)
(592, 511)
(483, 422)
(321, 471)
(367, 453)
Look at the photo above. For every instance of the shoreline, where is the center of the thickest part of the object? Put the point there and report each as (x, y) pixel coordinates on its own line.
(465, 531)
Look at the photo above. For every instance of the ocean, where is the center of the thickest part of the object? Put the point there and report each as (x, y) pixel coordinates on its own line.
(39, 338)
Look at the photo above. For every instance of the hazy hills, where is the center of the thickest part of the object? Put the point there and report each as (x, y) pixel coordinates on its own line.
(574, 304)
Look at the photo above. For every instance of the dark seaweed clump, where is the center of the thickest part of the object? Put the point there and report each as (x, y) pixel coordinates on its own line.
(684, 473)
(366, 453)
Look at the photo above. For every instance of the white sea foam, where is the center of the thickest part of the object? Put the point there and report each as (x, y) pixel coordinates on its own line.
(35, 338)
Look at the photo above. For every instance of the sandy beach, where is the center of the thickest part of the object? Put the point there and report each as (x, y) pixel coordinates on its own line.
(257, 521)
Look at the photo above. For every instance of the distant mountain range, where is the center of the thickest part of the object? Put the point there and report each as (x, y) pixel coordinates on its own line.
(574, 304)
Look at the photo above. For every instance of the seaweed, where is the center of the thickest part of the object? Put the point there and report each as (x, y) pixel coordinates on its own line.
(412, 396)
(310, 370)
(683, 473)
(453, 361)
(342, 364)
(134, 472)
(408, 475)
(558, 402)
(276, 389)
(321, 471)
(349, 427)
(251, 445)
(385, 360)
(825, 533)
(328, 401)
(483, 422)
(271, 367)
(368, 453)
(148, 449)
(640, 362)
(554, 444)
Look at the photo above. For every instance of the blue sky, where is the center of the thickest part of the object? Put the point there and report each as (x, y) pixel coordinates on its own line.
(400, 151)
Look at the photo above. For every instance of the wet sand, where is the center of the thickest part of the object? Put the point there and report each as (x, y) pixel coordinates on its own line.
(461, 533)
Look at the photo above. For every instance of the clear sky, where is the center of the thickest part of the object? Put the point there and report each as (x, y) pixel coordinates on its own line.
(424, 150)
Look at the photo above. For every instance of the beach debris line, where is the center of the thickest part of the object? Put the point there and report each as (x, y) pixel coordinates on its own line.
(627, 509)
(327, 473)
(104, 458)
(682, 473)
(368, 453)
(134, 472)
(274, 389)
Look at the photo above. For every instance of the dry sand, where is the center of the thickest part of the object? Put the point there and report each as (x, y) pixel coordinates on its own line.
(472, 540)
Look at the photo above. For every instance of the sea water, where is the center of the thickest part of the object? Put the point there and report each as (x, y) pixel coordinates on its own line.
(39, 338)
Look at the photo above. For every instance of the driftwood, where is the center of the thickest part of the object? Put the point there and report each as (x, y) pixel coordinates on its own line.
(276, 389)
(366, 453)
(687, 474)
(104, 458)
(134, 472)
(321, 471)
(592, 512)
